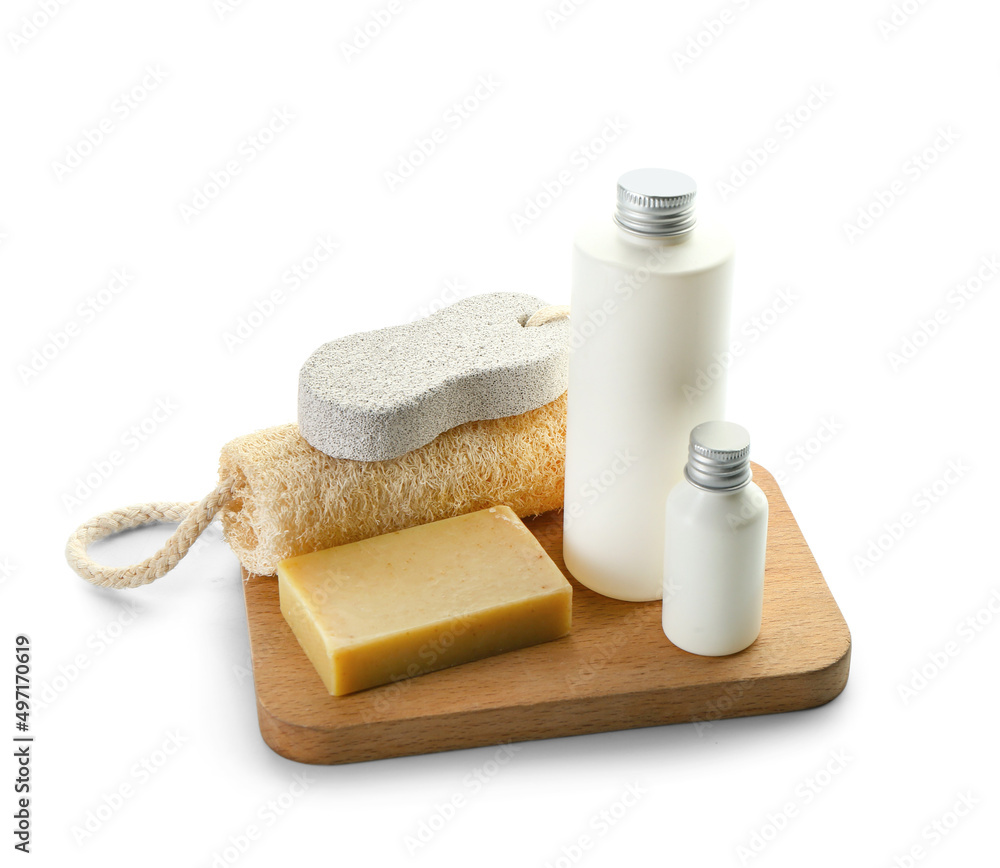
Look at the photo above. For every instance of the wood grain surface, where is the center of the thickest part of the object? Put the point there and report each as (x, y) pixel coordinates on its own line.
(616, 669)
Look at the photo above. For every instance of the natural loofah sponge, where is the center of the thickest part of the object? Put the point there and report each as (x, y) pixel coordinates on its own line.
(377, 395)
(290, 499)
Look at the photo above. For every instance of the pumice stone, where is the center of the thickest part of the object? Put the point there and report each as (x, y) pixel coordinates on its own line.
(377, 395)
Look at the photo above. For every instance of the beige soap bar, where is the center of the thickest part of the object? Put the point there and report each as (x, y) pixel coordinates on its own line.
(422, 599)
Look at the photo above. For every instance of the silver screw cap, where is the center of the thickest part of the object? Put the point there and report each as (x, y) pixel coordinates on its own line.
(656, 202)
(719, 456)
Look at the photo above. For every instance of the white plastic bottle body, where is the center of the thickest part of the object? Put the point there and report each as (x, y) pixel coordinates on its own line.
(713, 570)
(650, 327)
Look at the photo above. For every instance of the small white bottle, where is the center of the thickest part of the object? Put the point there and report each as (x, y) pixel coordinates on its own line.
(715, 544)
(650, 326)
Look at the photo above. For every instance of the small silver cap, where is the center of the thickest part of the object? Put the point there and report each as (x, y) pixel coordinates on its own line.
(719, 456)
(656, 202)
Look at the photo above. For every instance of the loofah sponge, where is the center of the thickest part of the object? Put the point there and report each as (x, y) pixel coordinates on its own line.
(290, 498)
(376, 395)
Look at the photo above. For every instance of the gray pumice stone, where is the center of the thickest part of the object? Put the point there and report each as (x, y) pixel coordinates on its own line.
(377, 395)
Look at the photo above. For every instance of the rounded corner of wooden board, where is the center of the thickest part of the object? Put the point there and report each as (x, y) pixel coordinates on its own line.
(831, 679)
(288, 740)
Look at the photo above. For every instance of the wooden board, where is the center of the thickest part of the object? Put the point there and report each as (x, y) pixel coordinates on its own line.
(616, 670)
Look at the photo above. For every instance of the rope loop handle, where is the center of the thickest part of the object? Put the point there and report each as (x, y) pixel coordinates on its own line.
(193, 518)
(547, 314)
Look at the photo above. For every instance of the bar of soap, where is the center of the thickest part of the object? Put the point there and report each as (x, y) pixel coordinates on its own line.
(422, 599)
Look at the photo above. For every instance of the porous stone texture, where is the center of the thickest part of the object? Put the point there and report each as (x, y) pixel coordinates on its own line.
(377, 395)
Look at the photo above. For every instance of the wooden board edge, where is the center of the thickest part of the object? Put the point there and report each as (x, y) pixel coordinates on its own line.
(482, 728)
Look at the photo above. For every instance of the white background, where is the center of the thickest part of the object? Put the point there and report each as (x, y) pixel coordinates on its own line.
(913, 105)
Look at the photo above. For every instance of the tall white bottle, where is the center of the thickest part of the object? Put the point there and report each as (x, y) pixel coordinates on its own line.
(650, 326)
(716, 543)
